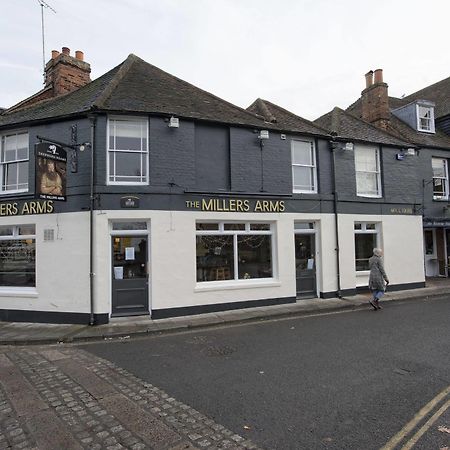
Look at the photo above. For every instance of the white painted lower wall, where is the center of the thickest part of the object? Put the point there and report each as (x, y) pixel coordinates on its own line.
(62, 273)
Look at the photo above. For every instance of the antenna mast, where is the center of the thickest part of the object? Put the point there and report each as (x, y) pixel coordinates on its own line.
(44, 5)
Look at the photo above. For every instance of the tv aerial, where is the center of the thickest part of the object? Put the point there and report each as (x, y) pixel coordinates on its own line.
(43, 5)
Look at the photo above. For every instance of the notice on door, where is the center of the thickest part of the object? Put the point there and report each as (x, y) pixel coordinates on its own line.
(129, 253)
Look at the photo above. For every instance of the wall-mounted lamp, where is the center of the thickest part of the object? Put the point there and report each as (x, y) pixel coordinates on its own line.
(263, 134)
(344, 146)
(82, 147)
(174, 122)
(404, 153)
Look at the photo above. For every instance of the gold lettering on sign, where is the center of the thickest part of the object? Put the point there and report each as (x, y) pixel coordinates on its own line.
(236, 205)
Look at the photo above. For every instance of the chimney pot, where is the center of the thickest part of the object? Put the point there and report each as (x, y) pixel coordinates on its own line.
(66, 51)
(55, 54)
(79, 55)
(378, 76)
(369, 79)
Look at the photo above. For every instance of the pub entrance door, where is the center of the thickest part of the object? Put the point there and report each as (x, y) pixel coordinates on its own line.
(305, 260)
(130, 284)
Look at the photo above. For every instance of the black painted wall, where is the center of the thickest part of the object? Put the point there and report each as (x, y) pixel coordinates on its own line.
(200, 157)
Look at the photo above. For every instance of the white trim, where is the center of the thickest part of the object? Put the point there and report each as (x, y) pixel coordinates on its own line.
(364, 230)
(16, 161)
(444, 179)
(312, 166)
(203, 286)
(418, 117)
(6, 291)
(376, 172)
(145, 153)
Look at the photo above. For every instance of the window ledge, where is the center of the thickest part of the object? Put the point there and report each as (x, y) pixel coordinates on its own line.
(207, 286)
(362, 273)
(18, 292)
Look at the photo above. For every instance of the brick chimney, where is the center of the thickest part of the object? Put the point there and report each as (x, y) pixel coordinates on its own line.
(374, 100)
(65, 73)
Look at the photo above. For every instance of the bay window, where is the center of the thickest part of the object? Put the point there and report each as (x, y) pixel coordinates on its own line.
(127, 151)
(233, 251)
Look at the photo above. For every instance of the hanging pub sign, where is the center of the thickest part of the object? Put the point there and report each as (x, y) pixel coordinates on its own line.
(51, 165)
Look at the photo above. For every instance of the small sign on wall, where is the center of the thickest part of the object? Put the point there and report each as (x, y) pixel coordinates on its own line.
(129, 202)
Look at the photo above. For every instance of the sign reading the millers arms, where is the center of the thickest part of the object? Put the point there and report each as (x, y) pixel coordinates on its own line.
(236, 205)
(26, 208)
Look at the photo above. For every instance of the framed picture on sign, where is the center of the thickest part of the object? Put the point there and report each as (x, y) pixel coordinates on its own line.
(51, 171)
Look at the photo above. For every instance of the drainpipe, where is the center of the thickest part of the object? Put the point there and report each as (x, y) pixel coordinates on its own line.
(332, 145)
(93, 120)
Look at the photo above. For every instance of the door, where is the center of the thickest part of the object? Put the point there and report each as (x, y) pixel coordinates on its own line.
(305, 265)
(129, 275)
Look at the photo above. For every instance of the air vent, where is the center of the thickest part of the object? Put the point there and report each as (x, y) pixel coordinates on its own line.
(49, 235)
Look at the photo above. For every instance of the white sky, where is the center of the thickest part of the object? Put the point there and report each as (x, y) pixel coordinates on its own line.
(305, 55)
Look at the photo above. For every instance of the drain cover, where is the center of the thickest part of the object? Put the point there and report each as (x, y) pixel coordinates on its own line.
(219, 351)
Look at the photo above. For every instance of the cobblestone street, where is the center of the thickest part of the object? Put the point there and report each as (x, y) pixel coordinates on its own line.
(65, 398)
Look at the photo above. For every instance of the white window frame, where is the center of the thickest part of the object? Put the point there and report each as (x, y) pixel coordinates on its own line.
(376, 150)
(312, 167)
(235, 233)
(427, 109)
(143, 151)
(4, 164)
(364, 230)
(15, 236)
(444, 179)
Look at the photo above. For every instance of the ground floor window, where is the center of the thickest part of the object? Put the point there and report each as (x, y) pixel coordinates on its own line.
(233, 251)
(366, 239)
(18, 255)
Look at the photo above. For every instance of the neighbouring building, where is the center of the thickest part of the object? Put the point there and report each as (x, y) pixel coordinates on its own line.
(139, 193)
(423, 119)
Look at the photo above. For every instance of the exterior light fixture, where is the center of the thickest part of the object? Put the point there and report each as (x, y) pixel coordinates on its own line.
(174, 122)
(263, 134)
(349, 146)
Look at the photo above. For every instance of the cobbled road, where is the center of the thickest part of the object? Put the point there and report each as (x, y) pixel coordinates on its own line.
(65, 398)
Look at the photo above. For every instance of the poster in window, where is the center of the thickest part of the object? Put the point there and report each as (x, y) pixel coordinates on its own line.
(51, 165)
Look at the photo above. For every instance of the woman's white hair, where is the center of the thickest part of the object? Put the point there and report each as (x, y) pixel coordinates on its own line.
(377, 251)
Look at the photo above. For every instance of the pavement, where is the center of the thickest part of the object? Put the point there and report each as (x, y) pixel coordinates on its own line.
(20, 333)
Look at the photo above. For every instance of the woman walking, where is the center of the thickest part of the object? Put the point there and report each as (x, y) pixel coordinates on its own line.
(377, 278)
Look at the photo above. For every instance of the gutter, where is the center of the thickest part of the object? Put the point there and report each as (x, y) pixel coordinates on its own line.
(335, 211)
(93, 120)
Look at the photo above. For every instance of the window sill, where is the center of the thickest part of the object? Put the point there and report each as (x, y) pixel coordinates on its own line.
(369, 196)
(207, 286)
(440, 199)
(28, 292)
(362, 273)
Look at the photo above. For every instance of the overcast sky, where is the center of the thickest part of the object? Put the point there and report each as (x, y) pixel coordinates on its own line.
(305, 55)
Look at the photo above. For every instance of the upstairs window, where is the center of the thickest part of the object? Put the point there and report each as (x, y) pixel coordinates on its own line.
(368, 174)
(425, 118)
(14, 158)
(127, 151)
(304, 171)
(440, 178)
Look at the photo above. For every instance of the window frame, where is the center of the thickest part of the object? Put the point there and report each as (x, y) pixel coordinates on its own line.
(364, 231)
(235, 233)
(16, 236)
(312, 167)
(377, 151)
(445, 179)
(430, 119)
(5, 164)
(142, 120)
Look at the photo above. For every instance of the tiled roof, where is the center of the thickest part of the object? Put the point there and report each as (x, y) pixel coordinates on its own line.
(137, 86)
(402, 130)
(346, 126)
(285, 119)
(439, 93)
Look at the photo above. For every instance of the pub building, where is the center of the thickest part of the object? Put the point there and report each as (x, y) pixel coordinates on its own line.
(163, 199)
